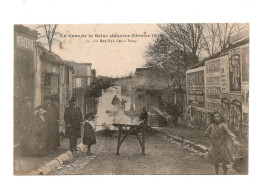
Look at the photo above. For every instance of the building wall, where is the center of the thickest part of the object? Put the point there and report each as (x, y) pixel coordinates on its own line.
(81, 82)
(38, 78)
(24, 82)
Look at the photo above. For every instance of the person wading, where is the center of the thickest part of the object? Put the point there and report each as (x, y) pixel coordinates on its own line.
(116, 103)
(219, 135)
(73, 119)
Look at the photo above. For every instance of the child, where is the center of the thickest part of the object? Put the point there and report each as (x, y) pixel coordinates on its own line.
(89, 134)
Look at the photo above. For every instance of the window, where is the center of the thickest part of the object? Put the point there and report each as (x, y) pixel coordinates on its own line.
(78, 82)
(46, 80)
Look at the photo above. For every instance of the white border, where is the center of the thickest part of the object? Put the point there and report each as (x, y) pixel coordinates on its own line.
(117, 11)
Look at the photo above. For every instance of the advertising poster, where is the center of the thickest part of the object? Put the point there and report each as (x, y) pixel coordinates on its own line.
(245, 63)
(236, 116)
(224, 74)
(234, 70)
(195, 88)
(213, 84)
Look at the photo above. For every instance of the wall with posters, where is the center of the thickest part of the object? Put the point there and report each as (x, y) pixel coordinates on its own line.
(234, 70)
(216, 73)
(226, 89)
(195, 87)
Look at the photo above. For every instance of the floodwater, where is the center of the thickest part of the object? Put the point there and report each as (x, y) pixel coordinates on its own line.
(106, 114)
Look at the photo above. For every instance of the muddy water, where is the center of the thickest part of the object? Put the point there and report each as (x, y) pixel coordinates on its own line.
(106, 115)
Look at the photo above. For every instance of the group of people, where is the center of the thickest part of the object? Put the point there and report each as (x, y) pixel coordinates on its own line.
(45, 134)
(73, 120)
(119, 105)
(45, 130)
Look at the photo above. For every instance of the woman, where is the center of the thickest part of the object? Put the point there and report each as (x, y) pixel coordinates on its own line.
(89, 134)
(39, 133)
(219, 151)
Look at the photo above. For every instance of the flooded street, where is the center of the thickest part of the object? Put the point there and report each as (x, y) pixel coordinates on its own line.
(105, 115)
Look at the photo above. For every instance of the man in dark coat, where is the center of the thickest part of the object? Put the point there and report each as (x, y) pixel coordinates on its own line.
(144, 116)
(51, 121)
(116, 103)
(73, 119)
(56, 114)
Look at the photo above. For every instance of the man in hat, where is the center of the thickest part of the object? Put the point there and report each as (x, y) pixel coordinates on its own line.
(56, 119)
(73, 119)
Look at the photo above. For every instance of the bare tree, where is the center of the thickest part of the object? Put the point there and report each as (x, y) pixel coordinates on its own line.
(181, 45)
(49, 32)
(216, 36)
(185, 37)
(168, 61)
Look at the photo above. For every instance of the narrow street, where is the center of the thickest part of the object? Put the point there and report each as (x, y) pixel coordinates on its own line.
(162, 156)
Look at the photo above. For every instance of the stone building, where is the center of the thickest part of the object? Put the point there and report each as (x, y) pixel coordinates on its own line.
(81, 84)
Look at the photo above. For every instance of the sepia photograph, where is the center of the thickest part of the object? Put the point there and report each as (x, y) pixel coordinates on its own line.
(131, 99)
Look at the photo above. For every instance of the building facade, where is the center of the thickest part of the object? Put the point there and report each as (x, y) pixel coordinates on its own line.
(37, 73)
(24, 79)
(82, 79)
(54, 78)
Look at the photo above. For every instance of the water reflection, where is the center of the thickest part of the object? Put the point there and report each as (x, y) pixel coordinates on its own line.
(106, 116)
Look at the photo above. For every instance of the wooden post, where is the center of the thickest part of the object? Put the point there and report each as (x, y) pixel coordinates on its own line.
(143, 138)
(118, 140)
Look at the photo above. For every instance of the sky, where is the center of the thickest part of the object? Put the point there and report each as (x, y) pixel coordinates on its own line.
(108, 58)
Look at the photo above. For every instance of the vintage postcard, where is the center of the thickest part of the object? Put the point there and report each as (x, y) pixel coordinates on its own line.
(131, 99)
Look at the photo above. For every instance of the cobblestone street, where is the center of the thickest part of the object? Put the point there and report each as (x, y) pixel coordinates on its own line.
(162, 157)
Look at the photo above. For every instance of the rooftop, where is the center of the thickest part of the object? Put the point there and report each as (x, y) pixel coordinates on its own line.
(25, 30)
(222, 53)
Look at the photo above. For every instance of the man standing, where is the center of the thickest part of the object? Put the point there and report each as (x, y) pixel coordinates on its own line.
(73, 119)
(56, 119)
(123, 102)
(51, 122)
(144, 116)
